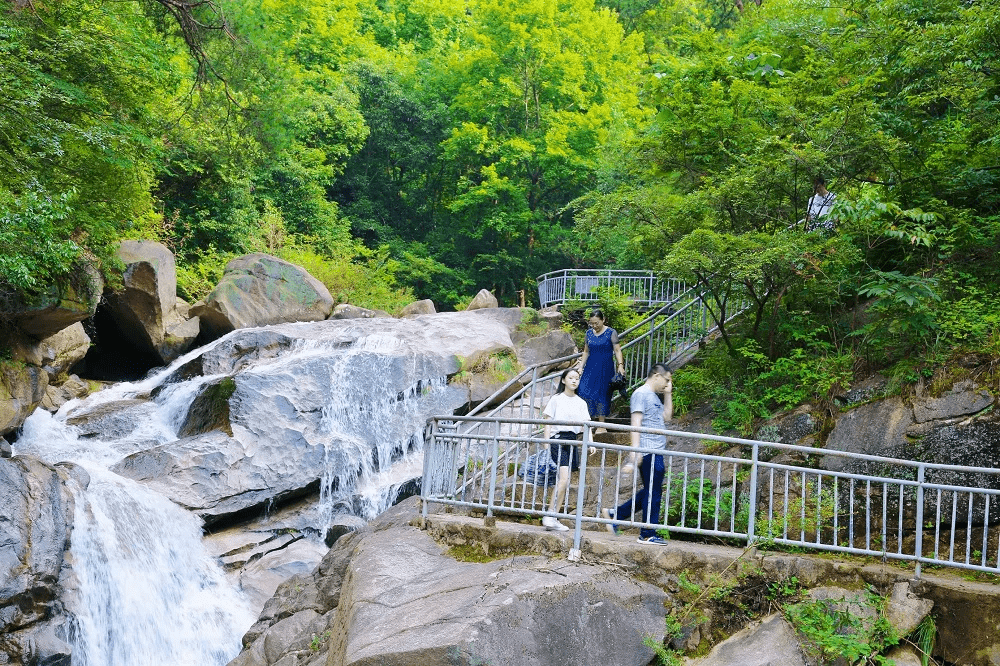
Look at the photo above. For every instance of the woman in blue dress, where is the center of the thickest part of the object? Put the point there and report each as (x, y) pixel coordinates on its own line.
(597, 366)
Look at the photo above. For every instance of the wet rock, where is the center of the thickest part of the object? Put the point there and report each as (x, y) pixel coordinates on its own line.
(484, 299)
(22, 388)
(57, 396)
(110, 420)
(5, 449)
(34, 533)
(767, 643)
(209, 410)
(348, 311)
(423, 307)
(257, 290)
(343, 524)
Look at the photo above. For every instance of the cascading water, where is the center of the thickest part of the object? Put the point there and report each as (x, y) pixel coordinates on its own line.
(342, 407)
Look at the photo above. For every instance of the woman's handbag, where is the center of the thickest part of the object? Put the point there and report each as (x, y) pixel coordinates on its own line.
(618, 383)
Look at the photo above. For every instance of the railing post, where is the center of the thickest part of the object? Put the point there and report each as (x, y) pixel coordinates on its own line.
(581, 490)
(752, 519)
(918, 547)
(428, 464)
(495, 464)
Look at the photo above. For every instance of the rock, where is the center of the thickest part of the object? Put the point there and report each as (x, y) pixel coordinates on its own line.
(348, 311)
(905, 610)
(209, 410)
(180, 333)
(849, 602)
(552, 317)
(261, 576)
(257, 290)
(529, 611)
(55, 354)
(5, 449)
(789, 428)
(484, 299)
(965, 614)
(110, 420)
(141, 310)
(864, 390)
(771, 642)
(34, 533)
(343, 524)
(874, 429)
(903, 655)
(423, 307)
(22, 388)
(62, 306)
(961, 400)
(57, 396)
(552, 345)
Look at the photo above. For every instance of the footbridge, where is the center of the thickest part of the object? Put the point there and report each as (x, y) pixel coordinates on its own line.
(645, 288)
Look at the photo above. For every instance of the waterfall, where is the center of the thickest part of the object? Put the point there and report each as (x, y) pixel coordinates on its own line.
(149, 594)
(344, 403)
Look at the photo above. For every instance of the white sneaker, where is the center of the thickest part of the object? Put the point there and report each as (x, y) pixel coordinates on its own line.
(550, 523)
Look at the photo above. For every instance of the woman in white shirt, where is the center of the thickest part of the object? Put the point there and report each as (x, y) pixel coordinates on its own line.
(565, 405)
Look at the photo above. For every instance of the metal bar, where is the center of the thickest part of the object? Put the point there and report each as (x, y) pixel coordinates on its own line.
(918, 547)
(751, 521)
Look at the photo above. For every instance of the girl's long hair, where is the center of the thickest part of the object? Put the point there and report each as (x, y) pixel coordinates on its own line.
(562, 379)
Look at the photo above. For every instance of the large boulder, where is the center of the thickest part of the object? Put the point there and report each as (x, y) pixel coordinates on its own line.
(22, 388)
(145, 311)
(56, 353)
(391, 595)
(771, 642)
(348, 311)
(257, 290)
(542, 348)
(35, 527)
(340, 399)
(61, 305)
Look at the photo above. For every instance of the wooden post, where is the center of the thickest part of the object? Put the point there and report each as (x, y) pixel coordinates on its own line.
(520, 292)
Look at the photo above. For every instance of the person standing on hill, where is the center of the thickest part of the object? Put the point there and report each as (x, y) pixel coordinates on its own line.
(648, 411)
(597, 365)
(819, 206)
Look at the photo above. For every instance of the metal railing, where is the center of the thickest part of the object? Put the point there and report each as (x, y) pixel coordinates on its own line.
(808, 498)
(663, 336)
(557, 287)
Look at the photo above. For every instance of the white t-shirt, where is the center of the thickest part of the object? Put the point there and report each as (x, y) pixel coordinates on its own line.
(819, 205)
(567, 408)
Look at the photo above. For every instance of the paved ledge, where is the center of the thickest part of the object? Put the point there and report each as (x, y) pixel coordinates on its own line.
(966, 611)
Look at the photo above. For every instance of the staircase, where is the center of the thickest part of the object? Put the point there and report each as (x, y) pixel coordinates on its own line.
(670, 334)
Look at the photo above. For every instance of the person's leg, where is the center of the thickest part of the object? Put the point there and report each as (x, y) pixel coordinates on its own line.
(648, 498)
(656, 489)
(562, 487)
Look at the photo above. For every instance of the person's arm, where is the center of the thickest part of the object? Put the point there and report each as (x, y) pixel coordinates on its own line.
(636, 422)
(583, 359)
(617, 348)
(668, 401)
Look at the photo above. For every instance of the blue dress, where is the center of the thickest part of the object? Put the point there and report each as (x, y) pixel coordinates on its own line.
(595, 384)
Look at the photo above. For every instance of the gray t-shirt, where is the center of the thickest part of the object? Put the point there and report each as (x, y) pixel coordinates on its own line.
(647, 402)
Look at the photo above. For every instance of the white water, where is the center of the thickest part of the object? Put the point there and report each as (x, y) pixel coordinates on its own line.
(149, 594)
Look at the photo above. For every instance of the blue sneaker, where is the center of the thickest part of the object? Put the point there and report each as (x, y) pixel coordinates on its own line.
(659, 541)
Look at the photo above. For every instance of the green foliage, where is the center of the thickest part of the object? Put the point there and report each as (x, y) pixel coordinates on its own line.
(834, 632)
(35, 245)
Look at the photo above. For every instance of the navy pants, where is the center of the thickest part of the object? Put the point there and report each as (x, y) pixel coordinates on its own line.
(650, 496)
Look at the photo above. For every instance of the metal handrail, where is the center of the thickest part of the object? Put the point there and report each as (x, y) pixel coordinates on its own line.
(865, 505)
(560, 286)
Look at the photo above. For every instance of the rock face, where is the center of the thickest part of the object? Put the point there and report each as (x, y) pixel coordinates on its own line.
(484, 299)
(59, 308)
(554, 344)
(34, 532)
(391, 596)
(336, 398)
(257, 290)
(21, 390)
(348, 311)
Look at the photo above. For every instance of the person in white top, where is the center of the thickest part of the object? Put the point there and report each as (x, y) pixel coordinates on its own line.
(565, 405)
(819, 206)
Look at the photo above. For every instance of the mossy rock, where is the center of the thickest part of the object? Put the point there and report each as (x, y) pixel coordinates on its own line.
(210, 409)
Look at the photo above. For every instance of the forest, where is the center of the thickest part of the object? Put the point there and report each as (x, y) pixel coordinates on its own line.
(402, 149)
